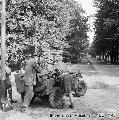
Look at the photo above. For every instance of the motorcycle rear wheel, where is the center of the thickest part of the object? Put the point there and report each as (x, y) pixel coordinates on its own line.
(55, 98)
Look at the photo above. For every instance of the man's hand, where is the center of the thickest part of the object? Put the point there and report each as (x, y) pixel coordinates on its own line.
(37, 67)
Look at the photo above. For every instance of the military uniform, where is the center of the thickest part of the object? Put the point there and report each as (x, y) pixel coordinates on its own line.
(67, 83)
(66, 80)
(30, 80)
(8, 82)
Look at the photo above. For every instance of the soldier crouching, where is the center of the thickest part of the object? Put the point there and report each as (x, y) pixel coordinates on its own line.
(66, 80)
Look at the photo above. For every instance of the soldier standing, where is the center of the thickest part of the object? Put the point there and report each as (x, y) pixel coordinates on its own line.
(32, 67)
(8, 82)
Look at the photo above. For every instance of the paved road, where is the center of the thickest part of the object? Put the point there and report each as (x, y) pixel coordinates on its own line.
(103, 85)
(103, 68)
(106, 73)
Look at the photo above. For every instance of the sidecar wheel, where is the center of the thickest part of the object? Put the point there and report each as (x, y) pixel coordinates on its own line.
(55, 98)
(81, 88)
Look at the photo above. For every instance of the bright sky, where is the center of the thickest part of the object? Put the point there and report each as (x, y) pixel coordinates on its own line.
(90, 11)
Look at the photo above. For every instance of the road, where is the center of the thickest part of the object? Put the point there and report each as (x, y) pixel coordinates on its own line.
(106, 73)
(103, 85)
(102, 96)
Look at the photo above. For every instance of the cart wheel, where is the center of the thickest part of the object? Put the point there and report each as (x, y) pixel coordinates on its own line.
(81, 88)
(55, 98)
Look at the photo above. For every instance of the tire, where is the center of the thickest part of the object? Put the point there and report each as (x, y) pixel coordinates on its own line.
(55, 98)
(81, 88)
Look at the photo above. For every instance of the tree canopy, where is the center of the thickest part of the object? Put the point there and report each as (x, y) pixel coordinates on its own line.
(47, 24)
(106, 43)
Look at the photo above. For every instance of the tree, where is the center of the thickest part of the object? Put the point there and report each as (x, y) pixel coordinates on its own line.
(77, 37)
(35, 24)
(106, 44)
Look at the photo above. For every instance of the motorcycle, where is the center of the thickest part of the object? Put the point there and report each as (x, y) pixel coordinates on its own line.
(51, 84)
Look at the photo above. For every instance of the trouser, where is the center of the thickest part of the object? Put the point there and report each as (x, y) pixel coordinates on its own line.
(70, 97)
(67, 87)
(10, 93)
(28, 96)
(9, 88)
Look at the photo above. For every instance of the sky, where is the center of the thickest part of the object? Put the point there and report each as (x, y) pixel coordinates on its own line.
(90, 11)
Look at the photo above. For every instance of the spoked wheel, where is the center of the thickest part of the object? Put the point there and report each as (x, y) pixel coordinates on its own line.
(55, 98)
(81, 88)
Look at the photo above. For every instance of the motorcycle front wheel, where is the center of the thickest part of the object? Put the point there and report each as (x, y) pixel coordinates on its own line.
(81, 88)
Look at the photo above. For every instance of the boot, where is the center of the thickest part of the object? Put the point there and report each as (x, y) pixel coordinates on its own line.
(71, 106)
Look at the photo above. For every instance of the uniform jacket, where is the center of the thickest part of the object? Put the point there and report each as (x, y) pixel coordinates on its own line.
(31, 71)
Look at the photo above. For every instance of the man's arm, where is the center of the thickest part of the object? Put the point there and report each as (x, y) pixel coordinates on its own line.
(37, 67)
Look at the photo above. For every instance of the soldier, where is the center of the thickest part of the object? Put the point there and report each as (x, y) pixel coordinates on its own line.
(66, 79)
(8, 82)
(32, 67)
(6, 102)
(66, 85)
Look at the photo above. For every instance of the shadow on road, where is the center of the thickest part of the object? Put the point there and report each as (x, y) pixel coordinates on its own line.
(93, 66)
(43, 102)
(100, 85)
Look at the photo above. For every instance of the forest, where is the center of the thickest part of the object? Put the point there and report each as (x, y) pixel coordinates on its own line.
(106, 40)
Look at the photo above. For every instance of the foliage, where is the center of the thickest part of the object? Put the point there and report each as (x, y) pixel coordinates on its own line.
(106, 30)
(77, 38)
(35, 24)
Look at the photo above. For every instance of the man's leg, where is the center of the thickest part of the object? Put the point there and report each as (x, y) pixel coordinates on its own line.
(71, 100)
(10, 93)
(22, 96)
(67, 85)
(28, 96)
